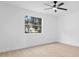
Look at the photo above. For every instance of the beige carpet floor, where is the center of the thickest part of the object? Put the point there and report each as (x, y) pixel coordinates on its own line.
(50, 50)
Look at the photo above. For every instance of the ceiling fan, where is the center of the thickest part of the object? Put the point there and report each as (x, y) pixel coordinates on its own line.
(55, 7)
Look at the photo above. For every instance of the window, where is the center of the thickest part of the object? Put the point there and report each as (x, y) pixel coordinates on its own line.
(33, 24)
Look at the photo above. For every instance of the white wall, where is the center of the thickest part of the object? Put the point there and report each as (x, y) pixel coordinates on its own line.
(68, 28)
(12, 34)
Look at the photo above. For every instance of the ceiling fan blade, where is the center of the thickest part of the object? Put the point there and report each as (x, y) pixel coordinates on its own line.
(47, 8)
(62, 8)
(48, 5)
(61, 4)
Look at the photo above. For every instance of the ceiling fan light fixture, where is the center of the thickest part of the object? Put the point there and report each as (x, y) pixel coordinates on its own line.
(55, 9)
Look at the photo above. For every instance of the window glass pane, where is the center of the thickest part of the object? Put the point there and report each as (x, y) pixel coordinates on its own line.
(33, 24)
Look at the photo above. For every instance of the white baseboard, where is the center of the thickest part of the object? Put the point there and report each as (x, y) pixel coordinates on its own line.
(45, 43)
(69, 43)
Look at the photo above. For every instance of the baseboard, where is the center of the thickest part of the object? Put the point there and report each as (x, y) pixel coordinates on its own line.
(46, 43)
(69, 43)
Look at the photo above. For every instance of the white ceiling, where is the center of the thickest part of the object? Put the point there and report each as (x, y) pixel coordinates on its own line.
(38, 6)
